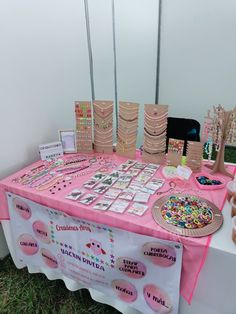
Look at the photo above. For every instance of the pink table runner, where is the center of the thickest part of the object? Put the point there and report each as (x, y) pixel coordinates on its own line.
(195, 249)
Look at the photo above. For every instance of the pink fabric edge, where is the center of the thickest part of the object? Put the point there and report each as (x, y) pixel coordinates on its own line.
(189, 299)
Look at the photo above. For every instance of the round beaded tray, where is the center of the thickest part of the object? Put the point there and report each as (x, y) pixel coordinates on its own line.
(187, 215)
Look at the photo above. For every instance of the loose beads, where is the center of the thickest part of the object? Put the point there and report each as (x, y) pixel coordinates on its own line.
(186, 212)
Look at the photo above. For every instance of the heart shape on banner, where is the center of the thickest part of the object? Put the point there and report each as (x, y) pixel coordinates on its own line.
(205, 181)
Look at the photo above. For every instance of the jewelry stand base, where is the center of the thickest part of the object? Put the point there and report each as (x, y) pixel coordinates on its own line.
(219, 170)
(103, 150)
(159, 159)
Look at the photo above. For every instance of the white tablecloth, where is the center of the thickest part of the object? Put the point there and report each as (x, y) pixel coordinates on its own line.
(216, 290)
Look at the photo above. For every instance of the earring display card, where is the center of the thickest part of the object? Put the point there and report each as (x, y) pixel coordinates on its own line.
(194, 155)
(127, 129)
(175, 152)
(83, 115)
(103, 126)
(155, 128)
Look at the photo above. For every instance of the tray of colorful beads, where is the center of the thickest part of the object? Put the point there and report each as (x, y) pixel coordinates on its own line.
(187, 215)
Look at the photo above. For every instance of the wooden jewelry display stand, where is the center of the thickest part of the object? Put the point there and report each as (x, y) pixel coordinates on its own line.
(83, 115)
(221, 130)
(175, 152)
(127, 129)
(103, 126)
(194, 155)
(155, 129)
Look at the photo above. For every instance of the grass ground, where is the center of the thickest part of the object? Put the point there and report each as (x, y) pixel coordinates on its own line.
(24, 293)
(21, 292)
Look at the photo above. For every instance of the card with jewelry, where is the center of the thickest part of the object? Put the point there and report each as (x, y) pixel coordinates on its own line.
(143, 177)
(87, 199)
(112, 193)
(103, 204)
(137, 209)
(152, 166)
(141, 197)
(127, 194)
(99, 176)
(90, 184)
(146, 190)
(139, 165)
(131, 162)
(133, 172)
(155, 184)
(119, 206)
(109, 180)
(124, 167)
(136, 185)
(123, 182)
(115, 174)
(74, 195)
(101, 188)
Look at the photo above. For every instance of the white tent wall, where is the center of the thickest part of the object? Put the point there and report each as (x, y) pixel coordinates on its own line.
(198, 49)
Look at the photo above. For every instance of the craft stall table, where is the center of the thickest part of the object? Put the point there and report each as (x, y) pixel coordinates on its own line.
(209, 262)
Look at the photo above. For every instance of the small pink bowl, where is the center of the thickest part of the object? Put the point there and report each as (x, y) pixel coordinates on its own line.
(209, 187)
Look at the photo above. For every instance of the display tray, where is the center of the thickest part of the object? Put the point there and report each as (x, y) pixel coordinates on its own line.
(192, 202)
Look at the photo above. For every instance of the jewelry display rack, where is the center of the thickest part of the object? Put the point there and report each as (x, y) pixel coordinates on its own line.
(127, 129)
(83, 115)
(220, 129)
(194, 155)
(103, 126)
(175, 152)
(155, 129)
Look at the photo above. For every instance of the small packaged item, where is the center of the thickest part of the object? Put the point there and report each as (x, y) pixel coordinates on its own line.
(109, 181)
(122, 182)
(101, 188)
(131, 162)
(88, 199)
(137, 209)
(124, 167)
(133, 172)
(143, 177)
(112, 193)
(115, 174)
(152, 166)
(90, 184)
(139, 165)
(103, 204)
(135, 185)
(119, 206)
(141, 197)
(155, 184)
(74, 195)
(184, 172)
(233, 206)
(146, 190)
(127, 194)
(234, 229)
(231, 189)
(99, 176)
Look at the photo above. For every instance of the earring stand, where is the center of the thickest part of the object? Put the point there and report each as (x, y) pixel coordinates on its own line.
(221, 131)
